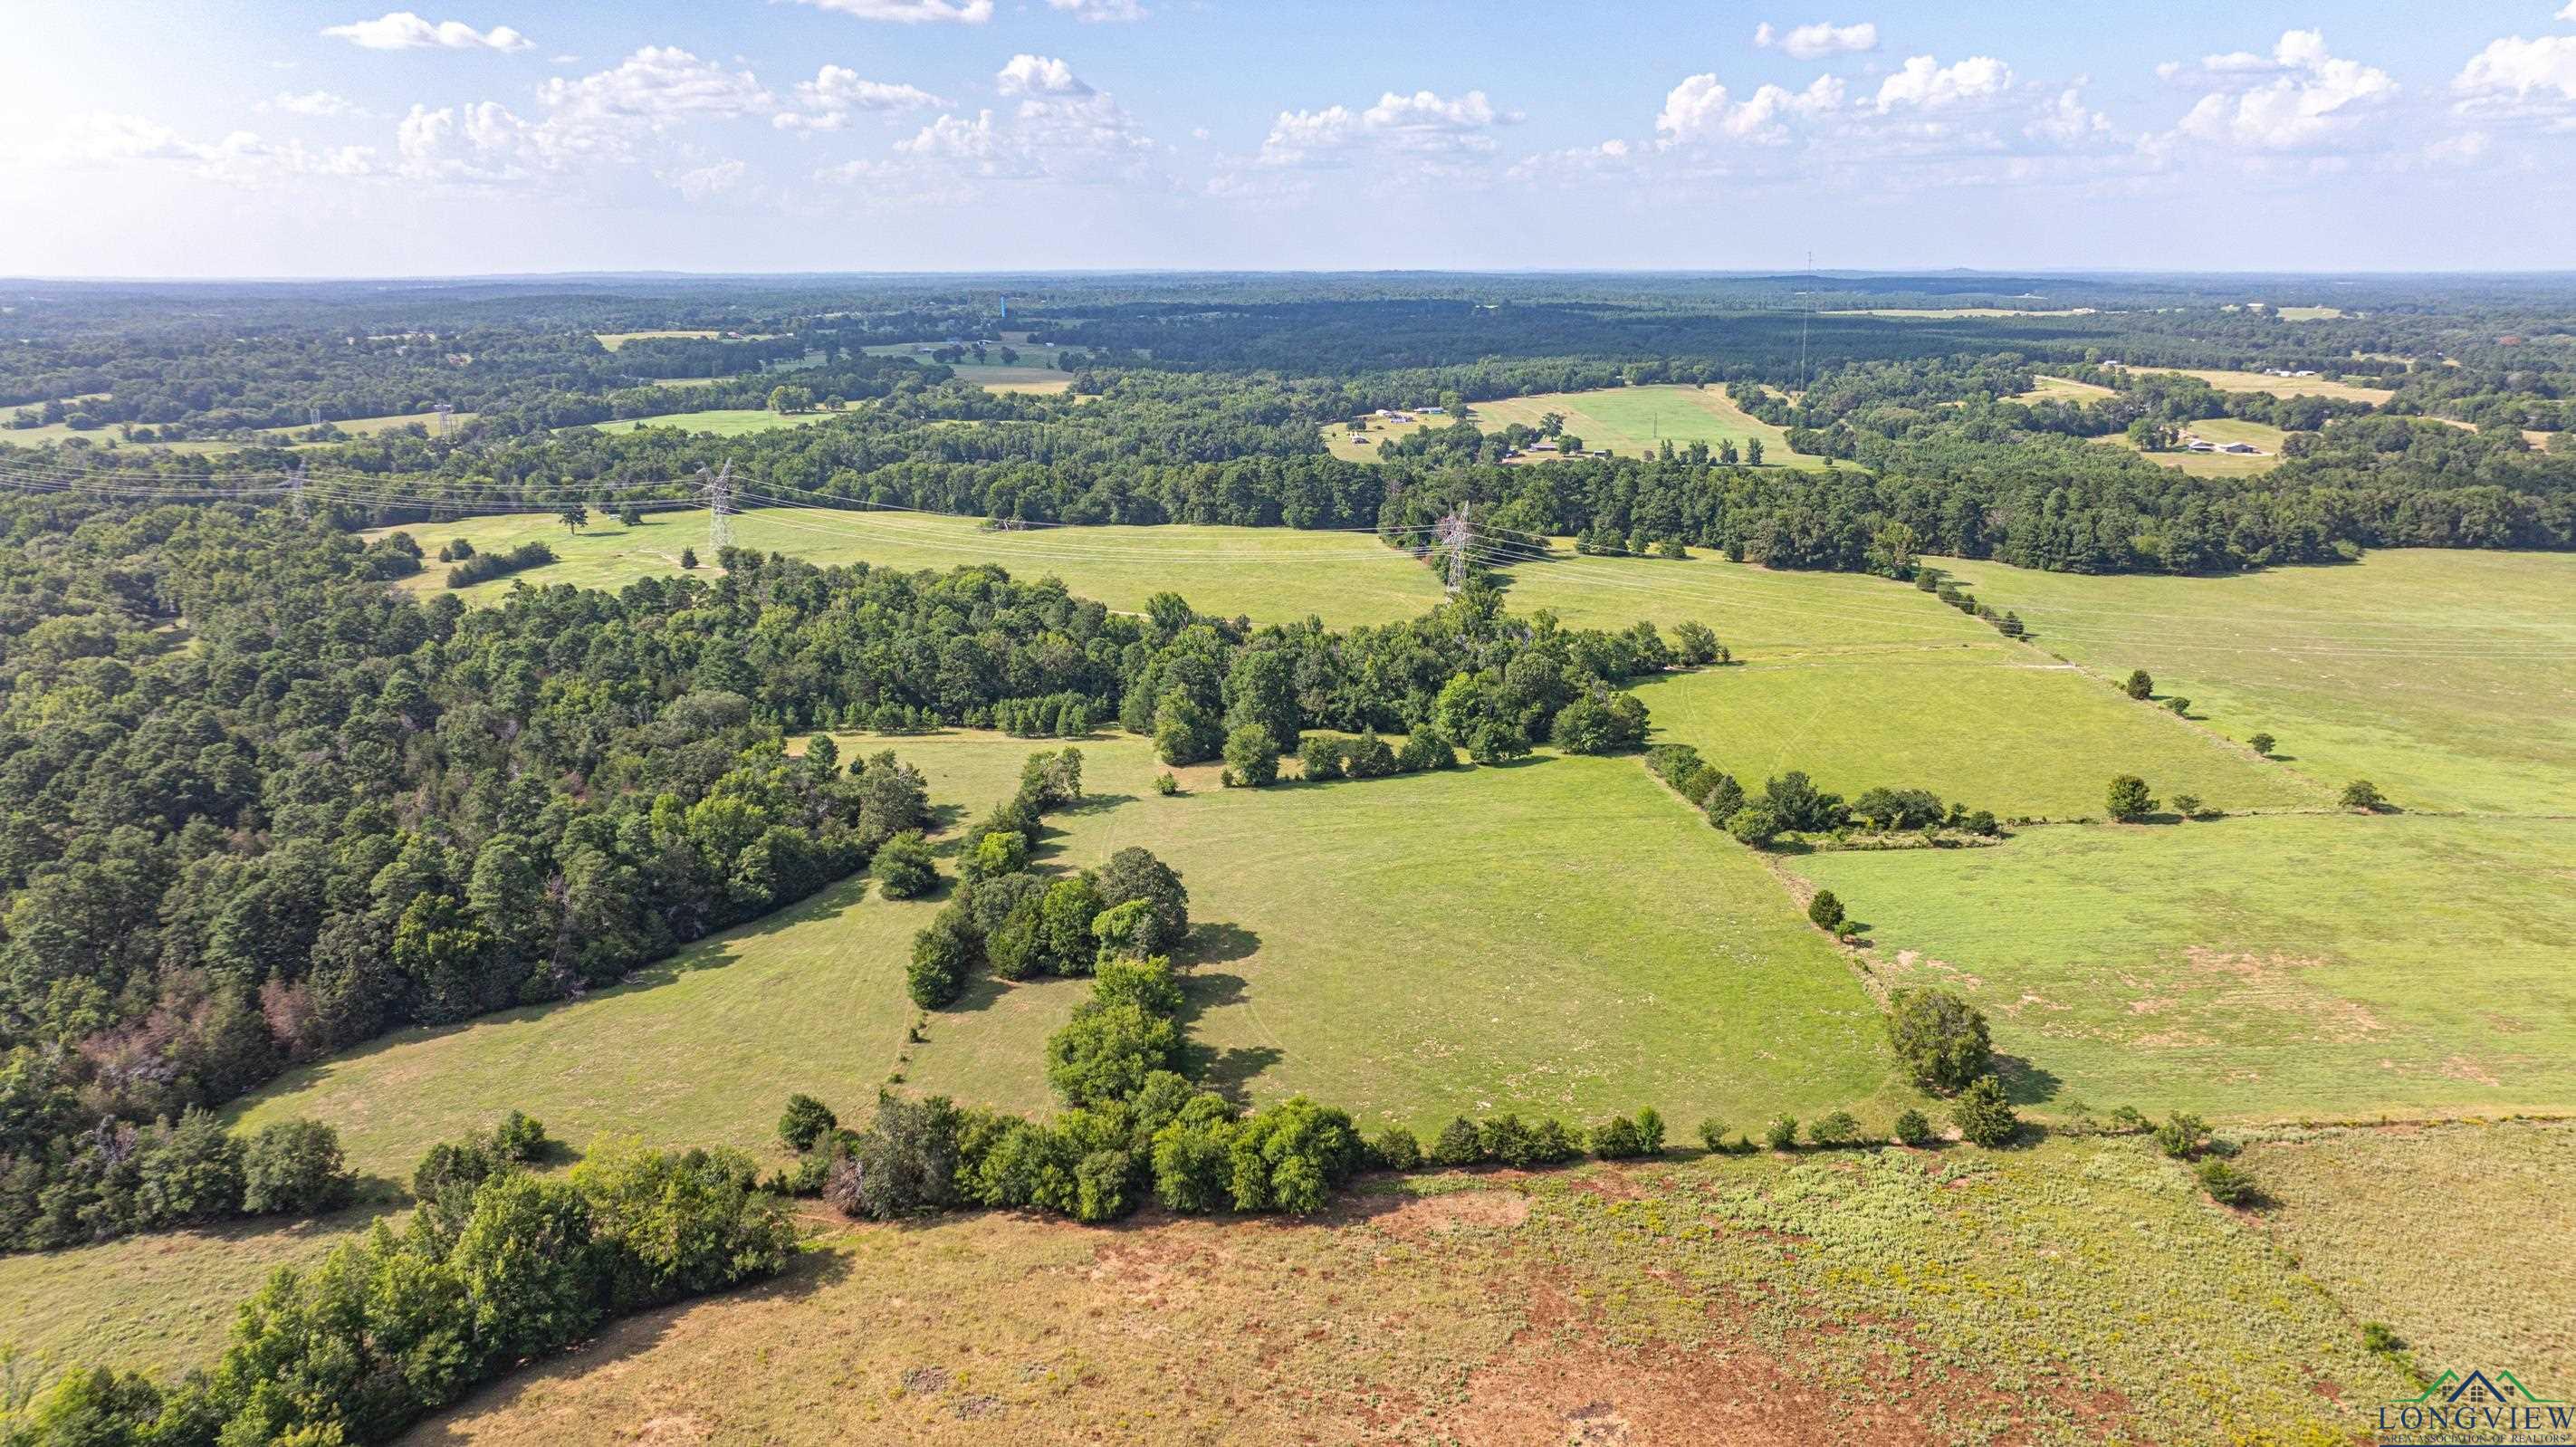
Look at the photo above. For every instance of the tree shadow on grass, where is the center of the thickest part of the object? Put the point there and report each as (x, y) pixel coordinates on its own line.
(1221, 944)
(2025, 1083)
(1230, 1072)
(619, 1342)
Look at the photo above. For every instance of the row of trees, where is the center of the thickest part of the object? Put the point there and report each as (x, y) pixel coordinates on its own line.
(497, 1267)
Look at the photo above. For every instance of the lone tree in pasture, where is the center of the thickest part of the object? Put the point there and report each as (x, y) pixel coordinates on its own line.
(1983, 1115)
(2129, 800)
(2140, 685)
(2261, 744)
(574, 516)
(2364, 795)
(1825, 912)
(1940, 1037)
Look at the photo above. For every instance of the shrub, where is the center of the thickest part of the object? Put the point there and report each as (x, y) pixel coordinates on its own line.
(2139, 685)
(2188, 806)
(1983, 1115)
(1940, 1037)
(188, 1174)
(1825, 912)
(1426, 749)
(294, 1168)
(2225, 1184)
(942, 955)
(1289, 1157)
(903, 867)
(2181, 706)
(1107, 1049)
(1395, 1149)
(688, 557)
(1319, 759)
(903, 1164)
(1368, 757)
(1166, 785)
(806, 1121)
(2261, 744)
(1835, 1129)
(1721, 798)
(1712, 1135)
(1912, 1128)
(1252, 757)
(2182, 1135)
(1782, 1133)
(2380, 1337)
(2128, 800)
(2363, 795)
(1627, 1137)
(1755, 825)
(520, 1138)
(1459, 1144)
(1004, 851)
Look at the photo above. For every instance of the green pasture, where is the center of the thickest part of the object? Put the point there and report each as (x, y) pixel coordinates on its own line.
(1272, 575)
(2331, 966)
(1633, 421)
(2446, 677)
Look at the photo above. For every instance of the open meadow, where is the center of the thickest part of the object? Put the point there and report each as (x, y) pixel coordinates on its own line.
(2262, 435)
(1895, 1297)
(1684, 978)
(1632, 421)
(2328, 387)
(721, 421)
(2062, 389)
(2448, 678)
(1271, 575)
(1991, 725)
(2319, 966)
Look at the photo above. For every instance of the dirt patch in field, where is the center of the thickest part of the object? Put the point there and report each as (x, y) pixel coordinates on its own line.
(2461, 1067)
(1423, 1217)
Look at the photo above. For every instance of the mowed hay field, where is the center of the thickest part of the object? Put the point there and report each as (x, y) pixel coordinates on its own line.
(1271, 575)
(2320, 966)
(2227, 381)
(722, 421)
(1892, 1297)
(1408, 948)
(2448, 678)
(2062, 389)
(1994, 726)
(1631, 421)
(1755, 611)
(2486, 1210)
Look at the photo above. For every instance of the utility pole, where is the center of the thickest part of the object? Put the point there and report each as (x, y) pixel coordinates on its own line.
(295, 491)
(717, 487)
(1455, 533)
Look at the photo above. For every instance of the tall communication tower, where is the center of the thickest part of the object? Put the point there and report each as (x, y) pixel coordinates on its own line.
(1455, 534)
(717, 488)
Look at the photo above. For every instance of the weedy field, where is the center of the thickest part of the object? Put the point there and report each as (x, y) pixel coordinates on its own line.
(1272, 575)
(2078, 1292)
(2063, 389)
(2451, 684)
(2313, 966)
(2451, 1235)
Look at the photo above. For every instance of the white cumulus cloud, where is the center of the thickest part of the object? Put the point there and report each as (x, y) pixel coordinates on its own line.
(1424, 124)
(911, 12)
(1701, 109)
(403, 30)
(2312, 97)
(311, 103)
(1038, 75)
(836, 95)
(1927, 83)
(1098, 10)
(2517, 67)
(656, 86)
(1814, 42)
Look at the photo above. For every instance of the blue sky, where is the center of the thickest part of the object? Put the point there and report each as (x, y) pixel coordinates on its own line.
(292, 139)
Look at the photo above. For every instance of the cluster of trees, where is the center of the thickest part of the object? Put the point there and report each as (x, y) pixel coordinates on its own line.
(260, 808)
(498, 1266)
(473, 567)
(63, 1185)
(1792, 804)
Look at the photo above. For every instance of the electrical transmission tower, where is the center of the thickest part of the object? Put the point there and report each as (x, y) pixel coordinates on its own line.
(446, 418)
(1455, 534)
(717, 488)
(295, 490)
